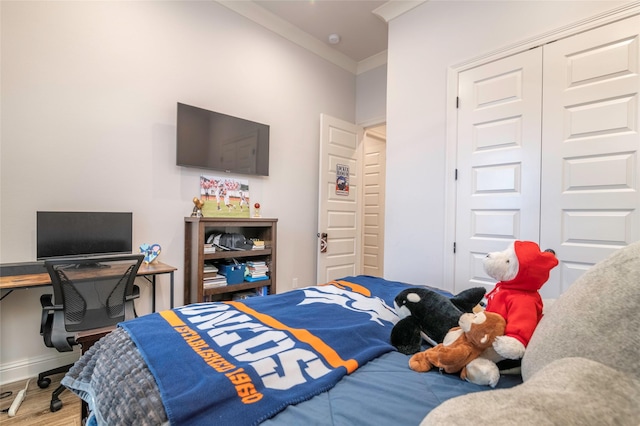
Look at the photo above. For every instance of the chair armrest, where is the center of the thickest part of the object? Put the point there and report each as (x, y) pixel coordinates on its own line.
(135, 293)
(46, 320)
(47, 314)
(46, 300)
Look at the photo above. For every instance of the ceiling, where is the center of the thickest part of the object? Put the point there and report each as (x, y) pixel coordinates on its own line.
(361, 26)
(362, 34)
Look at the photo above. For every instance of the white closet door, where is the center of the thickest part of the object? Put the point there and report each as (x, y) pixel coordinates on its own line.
(590, 168)
(498, 185)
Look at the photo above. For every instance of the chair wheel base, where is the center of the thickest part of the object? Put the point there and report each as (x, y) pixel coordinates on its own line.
(55, 405)
(44, 383)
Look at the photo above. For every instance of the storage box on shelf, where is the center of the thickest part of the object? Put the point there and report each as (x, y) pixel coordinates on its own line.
(234, 272)
(199, 256)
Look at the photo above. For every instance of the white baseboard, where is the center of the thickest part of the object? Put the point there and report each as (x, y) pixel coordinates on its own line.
(31, 367)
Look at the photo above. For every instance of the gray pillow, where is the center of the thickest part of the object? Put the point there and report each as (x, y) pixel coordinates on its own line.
(569, 391)
(598, 318)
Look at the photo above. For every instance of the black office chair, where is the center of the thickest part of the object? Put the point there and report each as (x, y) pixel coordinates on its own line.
(88, 294)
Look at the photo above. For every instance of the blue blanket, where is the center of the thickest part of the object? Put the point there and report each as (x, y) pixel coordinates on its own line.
(232, 363)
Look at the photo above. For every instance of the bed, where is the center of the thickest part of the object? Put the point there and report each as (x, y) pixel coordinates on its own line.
(318, 355)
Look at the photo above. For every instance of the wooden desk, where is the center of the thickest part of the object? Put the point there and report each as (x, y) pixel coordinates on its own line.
(151, 270)
(147, 271)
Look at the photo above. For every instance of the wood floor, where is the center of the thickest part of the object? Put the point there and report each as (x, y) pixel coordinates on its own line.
(34, 410)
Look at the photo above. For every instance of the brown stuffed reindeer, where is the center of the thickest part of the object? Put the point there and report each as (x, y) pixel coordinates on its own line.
(462, 344)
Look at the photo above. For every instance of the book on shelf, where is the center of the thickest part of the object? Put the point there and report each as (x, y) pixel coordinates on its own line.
(214, 278)
(257, 270)
(209, 268)
(242, 295)
(258, 244)
(208, 287)
(209, 248)
(217, 281)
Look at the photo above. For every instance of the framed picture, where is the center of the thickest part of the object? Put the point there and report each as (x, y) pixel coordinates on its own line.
(342, 179)
(224, 196)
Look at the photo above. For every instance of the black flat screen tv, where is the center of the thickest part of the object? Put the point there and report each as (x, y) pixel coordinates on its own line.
(215, 141)
(77, 234)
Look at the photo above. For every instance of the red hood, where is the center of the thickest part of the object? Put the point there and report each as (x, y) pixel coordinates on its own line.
(534, 267)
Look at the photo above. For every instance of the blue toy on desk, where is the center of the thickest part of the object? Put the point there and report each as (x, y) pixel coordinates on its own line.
(150, 251)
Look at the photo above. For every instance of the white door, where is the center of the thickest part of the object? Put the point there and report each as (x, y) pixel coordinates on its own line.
(339, 209)
(498, 165)
(374, 167)
(590, 167)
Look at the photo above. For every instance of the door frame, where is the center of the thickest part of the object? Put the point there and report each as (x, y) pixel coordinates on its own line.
(453, 72)
(371, 133)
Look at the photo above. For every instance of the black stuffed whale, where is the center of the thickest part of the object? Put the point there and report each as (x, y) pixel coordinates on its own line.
(430, 315)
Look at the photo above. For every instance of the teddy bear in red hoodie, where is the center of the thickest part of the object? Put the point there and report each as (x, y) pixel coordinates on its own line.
(521, 270)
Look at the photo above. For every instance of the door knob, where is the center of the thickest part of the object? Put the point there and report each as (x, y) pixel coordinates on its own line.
(323, 242)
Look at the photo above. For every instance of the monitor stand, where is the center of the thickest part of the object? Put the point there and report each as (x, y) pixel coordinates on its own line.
(96, 265)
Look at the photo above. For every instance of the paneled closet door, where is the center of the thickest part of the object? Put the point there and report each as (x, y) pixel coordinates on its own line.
(498, 164)
(590, 147)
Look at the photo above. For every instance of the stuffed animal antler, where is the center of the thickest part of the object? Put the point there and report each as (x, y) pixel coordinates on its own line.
(462, 344)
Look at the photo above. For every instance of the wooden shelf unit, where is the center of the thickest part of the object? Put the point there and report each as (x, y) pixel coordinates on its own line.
(196, 230)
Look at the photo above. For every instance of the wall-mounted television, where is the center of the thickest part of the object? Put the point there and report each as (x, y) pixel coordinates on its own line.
(76, 234)
(215, 141)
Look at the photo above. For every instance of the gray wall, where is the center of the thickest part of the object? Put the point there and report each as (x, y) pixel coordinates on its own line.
(371, 99)
(88, 106)
(423, 44)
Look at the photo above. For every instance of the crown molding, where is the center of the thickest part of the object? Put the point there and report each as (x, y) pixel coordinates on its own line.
(394, 8)
(263, 17)
(372, 62)
(606, 17)
(378, 132)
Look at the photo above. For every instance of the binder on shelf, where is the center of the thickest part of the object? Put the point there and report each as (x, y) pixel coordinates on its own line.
(251, 279)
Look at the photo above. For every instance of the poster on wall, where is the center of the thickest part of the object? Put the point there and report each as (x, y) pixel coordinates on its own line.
(342, 179)
(224, 196)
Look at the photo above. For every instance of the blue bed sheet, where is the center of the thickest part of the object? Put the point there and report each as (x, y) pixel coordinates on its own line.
(385, 391)
(120, 388)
